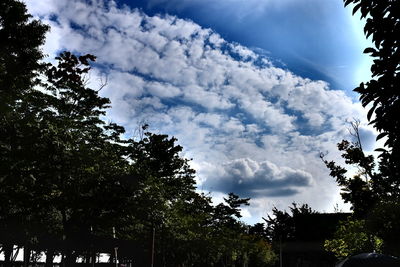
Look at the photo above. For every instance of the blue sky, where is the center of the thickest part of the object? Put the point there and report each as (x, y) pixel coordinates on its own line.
(313, 38)
(253, 90)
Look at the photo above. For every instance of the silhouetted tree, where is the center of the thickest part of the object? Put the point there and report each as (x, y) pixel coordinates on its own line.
(381, 94)
(20, 55)
(382, 24)
(364, 188)
(378, 182)
(280, 225)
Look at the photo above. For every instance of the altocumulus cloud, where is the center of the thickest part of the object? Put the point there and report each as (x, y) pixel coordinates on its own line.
(249, 126)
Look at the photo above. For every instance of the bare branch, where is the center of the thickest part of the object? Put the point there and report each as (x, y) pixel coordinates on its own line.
(85, 79)
(355, 132)
(141, 129)
(103, 82)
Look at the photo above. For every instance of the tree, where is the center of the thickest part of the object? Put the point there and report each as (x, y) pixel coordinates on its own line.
(378, 182)
(280, 226)
(353, 237)
(56, 153)
(369, 192)
(20, 53)
(157, 155)
(382, 24)
(383, 222)
(381, 94)
(20, 39)
(363, 189)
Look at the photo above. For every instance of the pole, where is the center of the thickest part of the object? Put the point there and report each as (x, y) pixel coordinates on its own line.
(116, 256)
(152, 247)
(93, 256)
(280, 252)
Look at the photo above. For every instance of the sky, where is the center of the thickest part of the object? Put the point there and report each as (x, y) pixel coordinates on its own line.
(254, 90)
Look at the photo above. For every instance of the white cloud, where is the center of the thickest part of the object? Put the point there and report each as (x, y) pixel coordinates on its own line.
(257, 129)
(163, 90)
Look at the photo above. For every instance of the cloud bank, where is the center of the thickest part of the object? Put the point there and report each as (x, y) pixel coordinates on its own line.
(250, 127)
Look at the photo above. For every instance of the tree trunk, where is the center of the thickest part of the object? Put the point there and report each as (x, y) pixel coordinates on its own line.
(70, 258)
(49, 258)
(87, 258)
(62, 263)
(93, 261)
(67, 252)
(8, 249)
(27, 255)
(111, 259)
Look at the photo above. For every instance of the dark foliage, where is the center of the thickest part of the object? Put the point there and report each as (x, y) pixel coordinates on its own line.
(281, 225)
(381, 94)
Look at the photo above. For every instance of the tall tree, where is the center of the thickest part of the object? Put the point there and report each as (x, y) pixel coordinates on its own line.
(84, 153)
(376, 186)
(381, 94)
(20, 55)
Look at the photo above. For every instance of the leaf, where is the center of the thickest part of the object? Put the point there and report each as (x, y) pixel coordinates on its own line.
(356, 8)
(364, 12)
(371, 111)
(381, 135)
(347, 2)
(369, 50)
